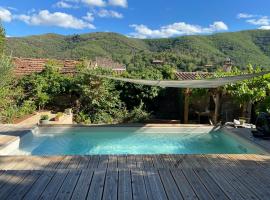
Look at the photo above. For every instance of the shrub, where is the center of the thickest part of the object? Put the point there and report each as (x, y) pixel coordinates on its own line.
(264, 106)
(138, 115)
(82, 118)
(59, 114)
(28, 107)
(44, 117)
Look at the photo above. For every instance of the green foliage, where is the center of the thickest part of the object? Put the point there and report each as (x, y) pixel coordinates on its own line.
(264, 105)
(27, 107)
(97, 97)
(82, 118)
(252, 90)
(138, 115)
(134, 94)
(188, 53)
(42, 88)
(44, 117)
(10, 94)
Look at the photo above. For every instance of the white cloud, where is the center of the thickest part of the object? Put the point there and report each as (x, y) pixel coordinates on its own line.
(89, 17)
(176, 29)
(63, 4)
(245, 16)
(263, 21)
(265, 27)
(5, 15)
(59, 19)
(98, 3)
(109, 14)
(121, 3)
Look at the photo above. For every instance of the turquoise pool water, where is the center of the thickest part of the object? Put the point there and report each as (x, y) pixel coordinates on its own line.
(89, 141)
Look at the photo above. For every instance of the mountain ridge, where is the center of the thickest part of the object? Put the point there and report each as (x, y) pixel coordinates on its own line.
(243, 47)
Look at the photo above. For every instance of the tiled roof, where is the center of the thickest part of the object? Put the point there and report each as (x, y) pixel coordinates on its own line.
(192, 75)
(107, 63)
(24, 66)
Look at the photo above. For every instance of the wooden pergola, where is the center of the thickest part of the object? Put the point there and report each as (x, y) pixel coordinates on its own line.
(213, 84)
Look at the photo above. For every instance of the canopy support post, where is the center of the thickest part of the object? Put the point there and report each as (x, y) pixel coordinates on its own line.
(216, 98)
(186, 105)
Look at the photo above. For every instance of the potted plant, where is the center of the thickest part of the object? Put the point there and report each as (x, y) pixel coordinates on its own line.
(58, 116)
(68, 111)
(44, 119)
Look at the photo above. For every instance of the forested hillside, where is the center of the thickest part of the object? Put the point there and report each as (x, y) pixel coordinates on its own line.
(187, 53)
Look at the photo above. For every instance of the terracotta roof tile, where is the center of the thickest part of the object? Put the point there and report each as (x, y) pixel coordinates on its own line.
(25, 66)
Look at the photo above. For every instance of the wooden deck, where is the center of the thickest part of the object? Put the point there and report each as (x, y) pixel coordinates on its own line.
(135, 177)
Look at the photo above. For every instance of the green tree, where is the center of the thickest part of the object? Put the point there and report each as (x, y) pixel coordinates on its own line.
(134, 94)
(98, 100)
(43, 87)
(2, 39)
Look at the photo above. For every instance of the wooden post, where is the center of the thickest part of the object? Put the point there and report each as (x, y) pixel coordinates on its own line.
(216, 98)
(186, 106)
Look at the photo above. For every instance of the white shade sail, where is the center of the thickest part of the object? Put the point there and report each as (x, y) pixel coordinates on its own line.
(204, 83)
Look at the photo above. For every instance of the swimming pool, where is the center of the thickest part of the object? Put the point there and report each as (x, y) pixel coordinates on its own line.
(131, 140)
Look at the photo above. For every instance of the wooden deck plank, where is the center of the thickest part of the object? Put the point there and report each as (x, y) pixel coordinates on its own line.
(169, 184)
(121, 161)
(52, 188)
(93, 163)
(84, 161)
(196, 184)
(40, 185)
(21, 189)
(153, 185)
(238, 185)
(54, 162)
(4, 177)
(211, 185)
(249, 181)
(83, 185)
(230, 191)
(124, 185)
(167, 161)
(147, 161)
(131, 161)
(74, 162)
(178, 160)
(139, 161)
(112, 163)
(111, 186)
(118, 177)
(183, 185)
(223, 168)
(16, 178)
(64, 162)
(138, 185)
(157, 161)
(68, 185)
(103, 161)
(97, 184)
(7, 162)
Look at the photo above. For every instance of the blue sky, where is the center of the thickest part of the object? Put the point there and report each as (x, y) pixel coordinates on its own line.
(134, 18)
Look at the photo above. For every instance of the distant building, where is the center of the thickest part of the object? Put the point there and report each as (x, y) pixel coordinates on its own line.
(157, 62)
(106, 63)
(25, 66)
(227, 66)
